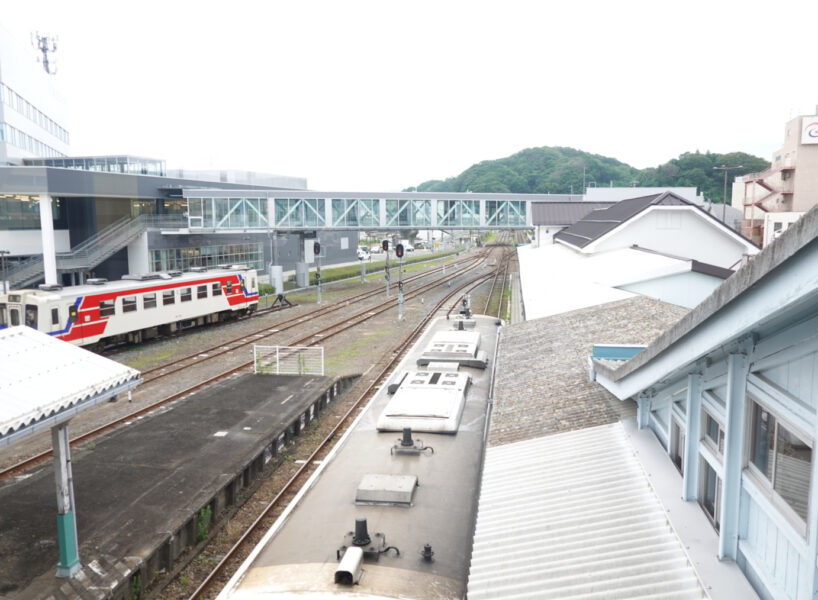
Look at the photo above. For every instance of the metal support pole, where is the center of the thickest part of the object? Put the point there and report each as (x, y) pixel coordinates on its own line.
(387, 273)
(725, 168)
(363, 272)
(3, 254)
(400, 289)
(66, 520)
(318, 277)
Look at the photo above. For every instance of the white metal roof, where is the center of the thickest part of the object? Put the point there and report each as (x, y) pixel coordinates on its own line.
(573, 515)
(43, 378)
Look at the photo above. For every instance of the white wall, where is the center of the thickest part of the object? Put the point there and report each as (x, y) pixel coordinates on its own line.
(678, 232)
(544, 234)
(685, 289)
(29, 241)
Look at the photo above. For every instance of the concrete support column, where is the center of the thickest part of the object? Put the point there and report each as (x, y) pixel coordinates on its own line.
(735, 426)
(382, 212)
(47, 233)
(483, 217)
(693, 417)
(138, 261)
(66, 519)
(434, 209)
(328, 212)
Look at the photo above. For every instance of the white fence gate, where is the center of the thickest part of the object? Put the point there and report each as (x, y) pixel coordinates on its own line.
(288, 360)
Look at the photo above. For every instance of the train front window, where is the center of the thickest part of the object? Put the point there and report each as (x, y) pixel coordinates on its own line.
(31, 315)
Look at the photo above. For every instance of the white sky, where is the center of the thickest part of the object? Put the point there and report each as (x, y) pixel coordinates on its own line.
(380, 95)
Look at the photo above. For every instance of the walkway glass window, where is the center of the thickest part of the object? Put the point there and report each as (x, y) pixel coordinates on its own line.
(349, 212)
(299, 212)
(505, 213)
(458, 213)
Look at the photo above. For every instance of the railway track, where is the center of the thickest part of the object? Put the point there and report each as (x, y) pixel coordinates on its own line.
(319, 335)
(237, 553)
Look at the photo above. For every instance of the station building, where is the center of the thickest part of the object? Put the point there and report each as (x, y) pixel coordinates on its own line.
(730, 392)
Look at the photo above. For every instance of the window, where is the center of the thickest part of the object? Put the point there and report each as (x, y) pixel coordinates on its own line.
(185, 295)
(168, 297)
(677, 444)
(55, 316)
(782, 457)
(14, 313)
(106, 308)
(217, 289)
(229, 287)
(713, 433)
(149, 300)
(31, 315)
(129, 304)
(3, 317)
(710, 493)
(201, 292)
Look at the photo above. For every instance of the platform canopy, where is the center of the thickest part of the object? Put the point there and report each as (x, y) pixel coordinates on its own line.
(45, 381)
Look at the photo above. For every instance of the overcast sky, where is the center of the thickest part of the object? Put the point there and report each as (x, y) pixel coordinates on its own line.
(379, 96)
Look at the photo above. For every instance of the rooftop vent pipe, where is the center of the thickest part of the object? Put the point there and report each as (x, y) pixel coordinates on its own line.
(361, 537)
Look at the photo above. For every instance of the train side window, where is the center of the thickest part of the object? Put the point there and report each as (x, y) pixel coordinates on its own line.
(31, 315)
(55, 316)
(185, 295)
(73, 317)
(149, 300)
(107, 308)
(217, 289)
(168, 297)
(129, 304)
(3, 316)
(229, 287)
(201, 291)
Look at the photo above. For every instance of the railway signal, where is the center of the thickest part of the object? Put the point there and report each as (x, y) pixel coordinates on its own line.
(316, 249)
(399, 254)
(385, 246)
(399, 250)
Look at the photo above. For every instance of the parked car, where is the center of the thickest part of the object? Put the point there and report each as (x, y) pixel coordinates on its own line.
(363, 253)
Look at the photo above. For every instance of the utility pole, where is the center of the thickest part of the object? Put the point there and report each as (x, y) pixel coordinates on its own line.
(725, 168)
(3, 254)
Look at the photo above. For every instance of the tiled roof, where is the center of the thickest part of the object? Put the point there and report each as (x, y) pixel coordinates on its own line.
(41, 376)
(598, 223)
(542, 384)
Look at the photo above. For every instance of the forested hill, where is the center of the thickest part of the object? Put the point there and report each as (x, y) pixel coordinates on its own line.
(559, 170)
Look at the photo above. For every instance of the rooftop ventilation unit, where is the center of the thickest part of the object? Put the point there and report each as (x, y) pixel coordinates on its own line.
(96, 281)
(175, 273)
(49, 287)
(141, 276)
(386, 489)
(198, 269)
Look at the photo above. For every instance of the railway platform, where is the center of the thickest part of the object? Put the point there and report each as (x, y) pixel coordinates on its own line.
(147, 491)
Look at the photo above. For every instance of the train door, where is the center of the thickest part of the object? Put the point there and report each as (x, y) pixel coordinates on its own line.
(31, 313)
(15, 310)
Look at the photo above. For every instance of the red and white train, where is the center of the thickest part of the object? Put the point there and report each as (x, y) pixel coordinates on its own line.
(134, 308)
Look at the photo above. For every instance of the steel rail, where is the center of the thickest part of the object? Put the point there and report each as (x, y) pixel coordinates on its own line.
(28, 462)
(308, 464)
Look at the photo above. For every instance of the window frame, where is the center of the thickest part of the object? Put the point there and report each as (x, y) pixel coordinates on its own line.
(217, 288)
(766, 485)
(185, 294)
(201, 292)
(129, 304)
(168, 297)
(107, 308)
(146, 297)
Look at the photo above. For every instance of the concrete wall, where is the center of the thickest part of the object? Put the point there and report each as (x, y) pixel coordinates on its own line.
(684, 289)
(678, 232)
(29, 241)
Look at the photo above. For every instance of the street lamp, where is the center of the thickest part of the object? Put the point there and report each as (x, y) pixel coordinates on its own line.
(724, 197)
(3, 254)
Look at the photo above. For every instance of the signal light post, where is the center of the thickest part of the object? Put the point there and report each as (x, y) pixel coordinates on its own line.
(316, 249)
(385, 246)
(399, 254)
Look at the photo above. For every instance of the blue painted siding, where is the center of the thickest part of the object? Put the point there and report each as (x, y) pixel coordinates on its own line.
(797, 377)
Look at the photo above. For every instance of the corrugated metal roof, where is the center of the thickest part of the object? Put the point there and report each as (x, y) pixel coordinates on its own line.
(573, 515)
(40, 376)
(563, 213)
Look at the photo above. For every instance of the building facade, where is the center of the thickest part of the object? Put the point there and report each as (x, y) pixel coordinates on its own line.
(731, 392)
(789, 187)
(33, 115)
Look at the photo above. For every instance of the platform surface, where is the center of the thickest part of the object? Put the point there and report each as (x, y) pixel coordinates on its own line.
(143, 480)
